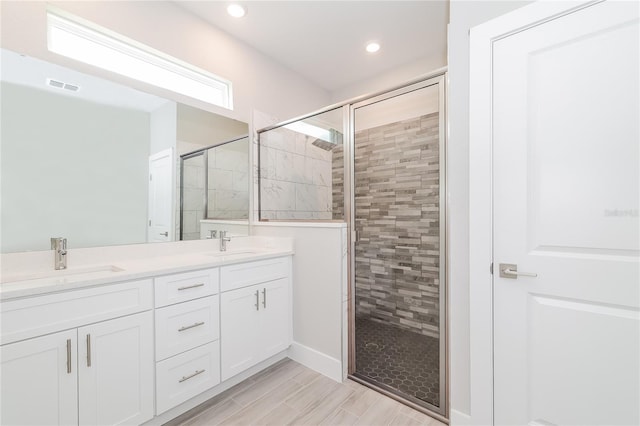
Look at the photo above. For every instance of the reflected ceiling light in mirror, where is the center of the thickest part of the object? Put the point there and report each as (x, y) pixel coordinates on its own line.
(331, 136)
(85, 42)
(373, 47)
(236, 10)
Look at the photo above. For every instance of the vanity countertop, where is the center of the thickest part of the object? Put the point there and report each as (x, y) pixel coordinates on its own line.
(113, 271)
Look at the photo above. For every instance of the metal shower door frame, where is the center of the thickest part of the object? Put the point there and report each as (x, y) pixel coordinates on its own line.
(437, 78)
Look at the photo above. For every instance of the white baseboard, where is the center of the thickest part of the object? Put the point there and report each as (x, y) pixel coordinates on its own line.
(316, 360)
(458, 418)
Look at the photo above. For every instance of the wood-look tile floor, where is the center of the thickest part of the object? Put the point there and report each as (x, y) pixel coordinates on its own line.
(288, 393)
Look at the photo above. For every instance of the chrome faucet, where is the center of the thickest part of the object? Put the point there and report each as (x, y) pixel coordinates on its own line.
(223, 240)
(59, 247)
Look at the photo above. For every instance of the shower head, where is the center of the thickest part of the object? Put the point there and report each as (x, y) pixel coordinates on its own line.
(335, 139)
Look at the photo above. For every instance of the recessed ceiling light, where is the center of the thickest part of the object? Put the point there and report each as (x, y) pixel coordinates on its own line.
(236, 10)
(372, 47)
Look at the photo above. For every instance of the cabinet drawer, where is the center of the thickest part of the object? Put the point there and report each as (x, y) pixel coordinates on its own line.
(186, 375)
(35, 316)
(186, 325)
(178, 288)
(245, 274)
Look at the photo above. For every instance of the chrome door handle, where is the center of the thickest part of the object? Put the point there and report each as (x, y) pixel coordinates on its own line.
(510, 270)
(257, 300)
(88, 350)
(187, 327)
(166, 233)
(264, 297)
(69, 356)
(184, 378)
(191, 286)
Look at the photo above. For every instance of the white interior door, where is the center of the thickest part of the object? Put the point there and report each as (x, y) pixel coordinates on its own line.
(565, 207)
(161, 185)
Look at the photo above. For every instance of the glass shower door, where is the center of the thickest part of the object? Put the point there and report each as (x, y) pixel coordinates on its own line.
(398, 250)
(193, 194)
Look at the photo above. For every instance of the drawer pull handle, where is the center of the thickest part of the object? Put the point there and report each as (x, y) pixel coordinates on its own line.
(187, 327)
(257, 300)
(190, 286)
(88, 350)
(185, 378)
(69, 356)
(264, 298)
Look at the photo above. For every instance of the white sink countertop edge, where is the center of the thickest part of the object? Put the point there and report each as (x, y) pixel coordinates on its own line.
(135, 270)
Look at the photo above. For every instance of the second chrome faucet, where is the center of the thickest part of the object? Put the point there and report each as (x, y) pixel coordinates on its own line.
(59, 247)
(223, 240)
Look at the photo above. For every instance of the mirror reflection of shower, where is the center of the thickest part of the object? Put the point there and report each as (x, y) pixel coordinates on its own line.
(214, 189)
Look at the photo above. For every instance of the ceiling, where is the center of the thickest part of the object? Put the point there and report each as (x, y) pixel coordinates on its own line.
(324, 40)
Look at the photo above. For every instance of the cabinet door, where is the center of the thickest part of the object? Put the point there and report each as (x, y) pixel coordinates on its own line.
(275, 314)
(39, 381)
(239, 330)
(115, 371)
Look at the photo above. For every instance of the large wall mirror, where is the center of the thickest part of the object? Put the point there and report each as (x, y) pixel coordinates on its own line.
(100, 163)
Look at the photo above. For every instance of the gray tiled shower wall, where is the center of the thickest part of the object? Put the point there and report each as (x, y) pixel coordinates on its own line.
(397, 219)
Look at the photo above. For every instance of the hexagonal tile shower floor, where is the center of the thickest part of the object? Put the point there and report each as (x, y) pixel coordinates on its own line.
(403, 360)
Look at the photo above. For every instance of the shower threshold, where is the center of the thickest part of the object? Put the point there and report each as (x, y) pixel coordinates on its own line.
(408, 400)
(398, 361)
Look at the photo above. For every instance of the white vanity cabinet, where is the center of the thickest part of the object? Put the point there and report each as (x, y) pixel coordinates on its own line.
(122, 353)
(38, 386)
(97, 371)
(255, 313)
(187, 333)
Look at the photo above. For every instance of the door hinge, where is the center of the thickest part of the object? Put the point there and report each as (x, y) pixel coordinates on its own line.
(150, 177)
(491, 268)
(149, 222)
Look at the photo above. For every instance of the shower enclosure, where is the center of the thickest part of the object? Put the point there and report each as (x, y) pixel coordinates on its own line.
(378, 164)
(398, 269)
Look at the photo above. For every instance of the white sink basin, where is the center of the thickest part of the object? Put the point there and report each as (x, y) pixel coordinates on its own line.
(74, 274)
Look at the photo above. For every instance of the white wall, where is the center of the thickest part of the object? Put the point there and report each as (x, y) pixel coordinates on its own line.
(389, 79)
(258, 81)
(318, 291)
(163, 128)
(463, 16)
(58, 175)
(201, 128)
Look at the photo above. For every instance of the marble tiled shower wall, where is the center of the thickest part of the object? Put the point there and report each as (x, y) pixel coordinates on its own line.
(397, 219)
(228, 187)
(295, 176)
(228, 184)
